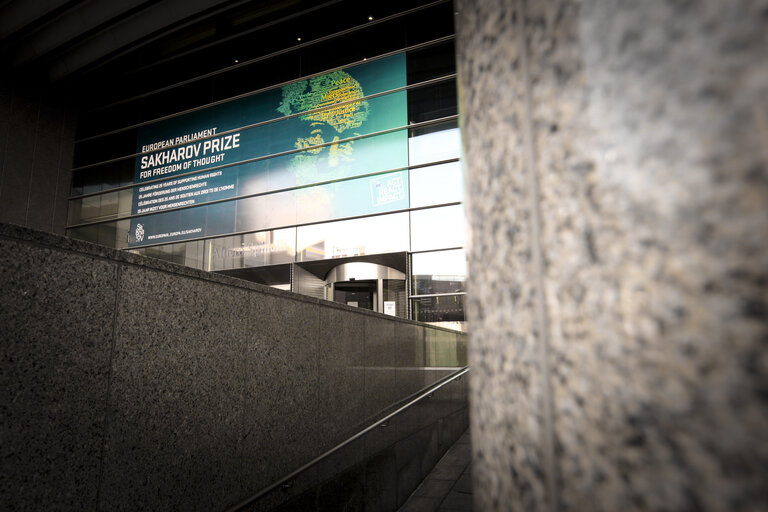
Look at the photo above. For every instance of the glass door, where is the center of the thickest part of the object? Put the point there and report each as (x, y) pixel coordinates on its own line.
(361, 294)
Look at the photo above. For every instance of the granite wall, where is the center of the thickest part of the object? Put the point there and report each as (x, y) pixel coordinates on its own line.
(618, 209)
(134, 384)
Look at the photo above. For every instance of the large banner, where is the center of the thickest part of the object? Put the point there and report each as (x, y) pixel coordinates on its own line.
(210, 155)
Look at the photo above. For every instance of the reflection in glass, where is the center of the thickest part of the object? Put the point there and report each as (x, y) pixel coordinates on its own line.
(394, 291)
(439, 272)
(189, 254)
(346, 112)
(432, 102)
(445, 308)
(109, 204)
(431, 62)
(434, 146)
(352, 198)
(121, 234)
(437, 184)
(251, 250)
(86, 233)
(85, 209)
(263, 212)
(373, 235)
(101, 207)
(109, 234)
(125, 201)
(437, 228)
(160, 252)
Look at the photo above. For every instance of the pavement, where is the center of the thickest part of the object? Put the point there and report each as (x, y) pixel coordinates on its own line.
(448, 488)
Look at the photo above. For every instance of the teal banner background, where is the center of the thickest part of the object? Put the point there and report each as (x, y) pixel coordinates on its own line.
(315, 156)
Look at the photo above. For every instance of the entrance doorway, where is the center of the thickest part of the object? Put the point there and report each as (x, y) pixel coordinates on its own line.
(368, 285)
(361, 294)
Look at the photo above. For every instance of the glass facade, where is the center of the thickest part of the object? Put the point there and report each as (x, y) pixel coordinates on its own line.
(356, 237)
(346, 146)
(438, 285)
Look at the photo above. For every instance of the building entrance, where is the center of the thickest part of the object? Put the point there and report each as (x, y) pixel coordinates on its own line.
(368, 285)
(361, 294)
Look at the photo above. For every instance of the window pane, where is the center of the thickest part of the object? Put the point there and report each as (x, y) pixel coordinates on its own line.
(252, 249)
(122, 228)
(103, 177)
(437, 228)
(394, 291)
(87, 233)
(439, 272)
(105, 148)
(434, 146)
(432, 102)
(263, 212)
(189, 254)
(352, 198)
(109, 204)
(109, 234)
(192, 253)
(85, 209)
(93, 208)
(430, 23)
(161, 252)
(125, 202)
(447, 308)
(431, 62)
(437, 184)
(374, 235)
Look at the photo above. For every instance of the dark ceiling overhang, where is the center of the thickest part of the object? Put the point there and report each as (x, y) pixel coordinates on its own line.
(99, 52)
(62, 40)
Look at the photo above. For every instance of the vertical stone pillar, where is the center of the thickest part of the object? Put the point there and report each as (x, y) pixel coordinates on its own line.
(617, 175)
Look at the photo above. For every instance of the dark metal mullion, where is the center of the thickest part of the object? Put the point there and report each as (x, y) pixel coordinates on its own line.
(414, 47)
(426, 83)
(133, 185)
(270, 192)
(274, 228)
(438, 250)
(427, 295)
(273, 155)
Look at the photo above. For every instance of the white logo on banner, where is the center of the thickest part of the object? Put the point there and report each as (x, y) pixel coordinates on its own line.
(387, 189)
(139, 232)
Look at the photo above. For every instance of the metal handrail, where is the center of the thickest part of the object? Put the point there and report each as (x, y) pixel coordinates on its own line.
(424, 393)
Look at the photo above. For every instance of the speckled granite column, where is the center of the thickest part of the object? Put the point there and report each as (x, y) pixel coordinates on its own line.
(618, 208)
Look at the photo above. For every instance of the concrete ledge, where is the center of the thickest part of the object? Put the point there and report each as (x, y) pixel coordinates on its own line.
(53, 241)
